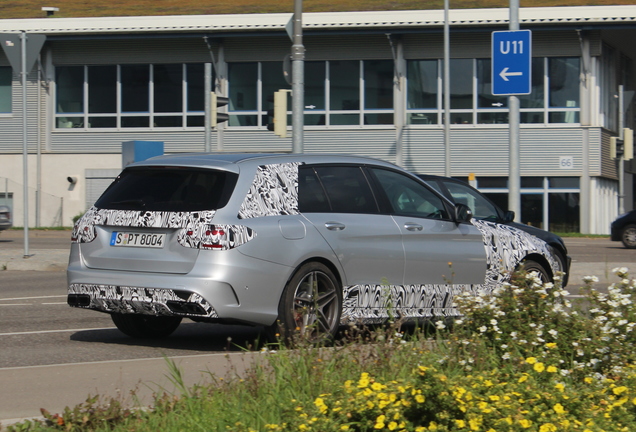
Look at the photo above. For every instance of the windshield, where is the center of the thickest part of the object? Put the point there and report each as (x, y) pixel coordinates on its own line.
(168, 189)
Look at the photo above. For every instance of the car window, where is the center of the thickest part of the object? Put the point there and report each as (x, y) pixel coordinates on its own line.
(408, 197)
(311, 195)
(347, 189)
(480, 206)
(168, 189)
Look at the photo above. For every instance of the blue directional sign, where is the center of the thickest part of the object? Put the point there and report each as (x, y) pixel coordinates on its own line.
(511, 62)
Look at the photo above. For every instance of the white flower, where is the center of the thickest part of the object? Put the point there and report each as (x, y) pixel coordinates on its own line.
(553, 332)
(483, 329)
(493, 322)
(459, 322)
(506, 356)
(440, 325)
(564, 372)
(592, 279)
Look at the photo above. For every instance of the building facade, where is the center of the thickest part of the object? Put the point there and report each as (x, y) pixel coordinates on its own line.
(373, 86)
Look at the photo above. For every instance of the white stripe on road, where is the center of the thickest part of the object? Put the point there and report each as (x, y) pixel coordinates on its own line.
(31, 298)
(55, 331)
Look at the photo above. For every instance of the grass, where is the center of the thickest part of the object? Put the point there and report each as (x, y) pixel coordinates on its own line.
(104, 8)
(520, 359)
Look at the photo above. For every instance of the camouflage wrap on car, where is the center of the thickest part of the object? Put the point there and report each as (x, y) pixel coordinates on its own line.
(146, 301)
(274, 191)
(505, 248)
(195, 228)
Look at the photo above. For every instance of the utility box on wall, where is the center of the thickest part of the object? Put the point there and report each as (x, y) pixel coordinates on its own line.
(136, 151)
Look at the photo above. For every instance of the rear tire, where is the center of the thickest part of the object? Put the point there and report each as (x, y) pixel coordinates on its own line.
(311, 305)
(145, 326)
(628, 236)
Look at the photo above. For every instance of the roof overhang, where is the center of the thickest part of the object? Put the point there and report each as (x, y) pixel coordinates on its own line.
(347, 21)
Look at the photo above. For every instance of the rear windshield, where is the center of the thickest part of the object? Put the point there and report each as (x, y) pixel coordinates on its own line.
(168, 189)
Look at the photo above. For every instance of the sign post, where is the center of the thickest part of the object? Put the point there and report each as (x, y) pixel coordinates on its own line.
(511, 75)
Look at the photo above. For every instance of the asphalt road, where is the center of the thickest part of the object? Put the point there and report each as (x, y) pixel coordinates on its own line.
(53, 356)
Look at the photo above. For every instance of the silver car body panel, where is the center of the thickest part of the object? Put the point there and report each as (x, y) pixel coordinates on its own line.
(396, 271)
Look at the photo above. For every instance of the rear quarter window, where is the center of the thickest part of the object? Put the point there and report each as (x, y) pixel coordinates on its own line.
(168, 189)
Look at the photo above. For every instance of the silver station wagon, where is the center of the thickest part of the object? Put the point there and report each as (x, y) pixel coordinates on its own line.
(296, 243)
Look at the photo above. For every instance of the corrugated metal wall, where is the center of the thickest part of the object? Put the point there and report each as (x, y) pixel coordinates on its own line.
(11, 125)
(608, 166)
(485, 151)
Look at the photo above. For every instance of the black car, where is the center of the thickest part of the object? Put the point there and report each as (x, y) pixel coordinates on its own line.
(624, 229)
(483, 208)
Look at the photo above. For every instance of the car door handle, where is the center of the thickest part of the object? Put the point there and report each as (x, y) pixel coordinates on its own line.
(410, 226)
(334, 226)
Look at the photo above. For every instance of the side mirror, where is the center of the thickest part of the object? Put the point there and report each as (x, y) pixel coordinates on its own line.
(509, 216)
(463, 213)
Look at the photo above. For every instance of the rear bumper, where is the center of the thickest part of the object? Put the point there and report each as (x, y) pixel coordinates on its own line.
(222, 286)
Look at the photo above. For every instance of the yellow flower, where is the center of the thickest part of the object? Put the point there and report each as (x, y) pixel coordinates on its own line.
(344, 427)
(320, 404)
(377, 386)
(460, 423)
(474, 424)
(552, 369)
(525, 423)
(560, 387)
(302, 427)
(588, 380)
(493, 398)
(523, 378)
(539, 367)
(531, 360)
(364, 380)
(619, 390)
(548, 427)
(419, 398)
(558, 408)
(432, 426)
(393, 425)
(550, 345)
(379, 422)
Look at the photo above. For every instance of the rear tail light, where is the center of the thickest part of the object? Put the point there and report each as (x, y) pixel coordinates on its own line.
(216, 237)
(83, 231)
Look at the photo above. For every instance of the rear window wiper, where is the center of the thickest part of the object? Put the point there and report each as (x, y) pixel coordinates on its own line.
(130, 202)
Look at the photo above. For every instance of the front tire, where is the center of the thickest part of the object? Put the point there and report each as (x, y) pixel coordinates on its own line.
(530, 266)
(628, 236)
(311, 304)
(145, 326)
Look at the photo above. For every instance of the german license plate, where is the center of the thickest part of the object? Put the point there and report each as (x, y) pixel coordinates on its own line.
(133, 239)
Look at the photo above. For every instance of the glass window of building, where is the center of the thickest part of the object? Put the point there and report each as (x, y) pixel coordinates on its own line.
(563, 91)
(5, 89)
(337, 93)
(471, 98)
(550, 203)
(130, 96)
(422, 100)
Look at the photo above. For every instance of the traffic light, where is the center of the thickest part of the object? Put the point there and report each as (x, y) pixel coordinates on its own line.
(614, 148)
(628, 144)
(624, 148)
(217, 102)
(279, 114)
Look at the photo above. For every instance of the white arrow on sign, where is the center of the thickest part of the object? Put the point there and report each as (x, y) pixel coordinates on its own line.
(505, 74)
